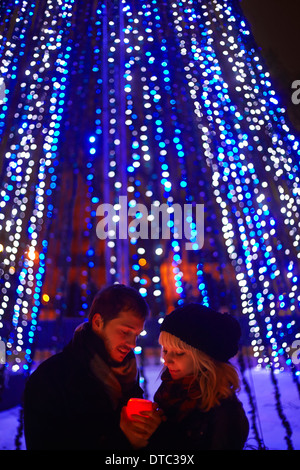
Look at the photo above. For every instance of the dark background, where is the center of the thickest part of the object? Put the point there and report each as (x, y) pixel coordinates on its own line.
(275, 25)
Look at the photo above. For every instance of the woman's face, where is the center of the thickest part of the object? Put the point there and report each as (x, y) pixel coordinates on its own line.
(179, 362)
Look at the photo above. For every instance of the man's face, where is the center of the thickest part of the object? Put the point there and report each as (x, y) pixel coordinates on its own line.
(119, 335)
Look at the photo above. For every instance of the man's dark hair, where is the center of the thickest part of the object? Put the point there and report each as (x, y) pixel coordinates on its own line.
(110, 301)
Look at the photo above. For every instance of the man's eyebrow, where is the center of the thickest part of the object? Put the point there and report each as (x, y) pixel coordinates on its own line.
(132, 328)
(128, 326)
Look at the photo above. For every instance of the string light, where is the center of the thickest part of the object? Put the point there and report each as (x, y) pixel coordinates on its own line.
(175, 105)
(21, 161)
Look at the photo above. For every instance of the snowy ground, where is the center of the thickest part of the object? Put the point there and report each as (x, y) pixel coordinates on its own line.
(269, 425)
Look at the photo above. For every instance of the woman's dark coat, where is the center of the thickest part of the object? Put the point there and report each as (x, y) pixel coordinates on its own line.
(223, 427)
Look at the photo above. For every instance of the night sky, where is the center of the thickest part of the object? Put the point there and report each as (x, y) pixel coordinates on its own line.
(275, 26)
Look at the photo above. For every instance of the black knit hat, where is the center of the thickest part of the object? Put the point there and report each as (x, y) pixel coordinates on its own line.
(216, 334)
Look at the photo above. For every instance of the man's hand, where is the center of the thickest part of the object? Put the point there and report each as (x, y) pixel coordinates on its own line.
(139, 428)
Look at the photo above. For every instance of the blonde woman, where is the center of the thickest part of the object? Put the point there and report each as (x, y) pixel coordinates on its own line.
(199, 385)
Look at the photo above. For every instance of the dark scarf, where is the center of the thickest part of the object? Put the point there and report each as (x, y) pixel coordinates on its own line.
(118, 378)
(177, 398)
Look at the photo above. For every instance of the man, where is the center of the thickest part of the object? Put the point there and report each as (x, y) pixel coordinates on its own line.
(75, 399)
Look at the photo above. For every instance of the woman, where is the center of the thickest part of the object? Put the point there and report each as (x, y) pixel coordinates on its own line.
(199, 385)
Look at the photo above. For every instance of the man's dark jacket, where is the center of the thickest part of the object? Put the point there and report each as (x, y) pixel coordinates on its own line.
(66, 406)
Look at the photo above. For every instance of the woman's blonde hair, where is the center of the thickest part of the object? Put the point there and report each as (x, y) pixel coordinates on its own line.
(217, 380)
